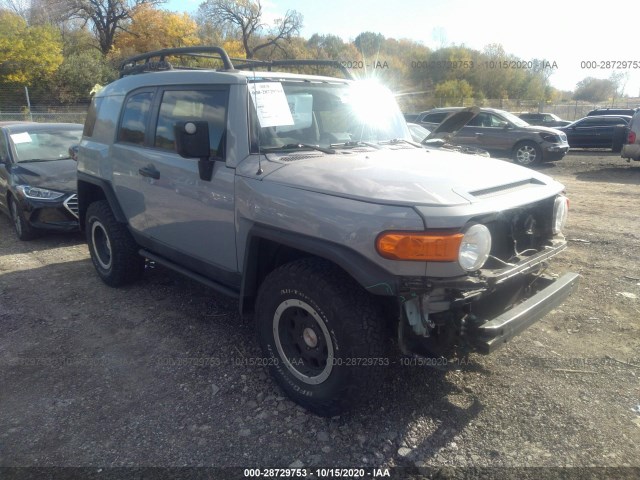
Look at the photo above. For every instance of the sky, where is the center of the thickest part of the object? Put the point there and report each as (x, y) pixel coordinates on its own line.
(568, 33)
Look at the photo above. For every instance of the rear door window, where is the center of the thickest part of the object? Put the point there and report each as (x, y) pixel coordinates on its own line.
(135, 118)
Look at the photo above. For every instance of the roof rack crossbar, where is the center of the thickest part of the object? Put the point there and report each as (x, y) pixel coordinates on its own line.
(192, 51)
(252, 64)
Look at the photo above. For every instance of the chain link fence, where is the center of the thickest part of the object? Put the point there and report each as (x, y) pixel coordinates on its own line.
(573, 110)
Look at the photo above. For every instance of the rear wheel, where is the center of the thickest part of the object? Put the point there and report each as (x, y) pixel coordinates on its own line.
(527, 153)
(24, 231)
(113, 250)
(321, 334)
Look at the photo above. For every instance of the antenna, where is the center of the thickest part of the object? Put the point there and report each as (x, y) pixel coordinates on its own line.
(255, 101)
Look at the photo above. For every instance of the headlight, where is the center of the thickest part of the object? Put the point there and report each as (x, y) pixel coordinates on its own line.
(560, 213)
(474, 248)
(550, 137)
(39, 193)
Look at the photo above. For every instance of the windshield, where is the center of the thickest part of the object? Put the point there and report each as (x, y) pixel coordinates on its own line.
(288, 114)
(517, 121)
(44, 145)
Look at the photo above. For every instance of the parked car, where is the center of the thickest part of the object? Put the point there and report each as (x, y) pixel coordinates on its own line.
(631, 149)
(612, 111)
(37, 176)
(603, 131)
(328, 222)
(504, 135)
(543, 119)
(421, 135)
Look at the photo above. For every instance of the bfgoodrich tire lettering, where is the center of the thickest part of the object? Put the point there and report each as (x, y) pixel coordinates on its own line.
(113, 251)
(320, 331)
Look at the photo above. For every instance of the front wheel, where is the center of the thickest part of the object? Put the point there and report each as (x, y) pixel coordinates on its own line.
(527, 154)
(321, 335)
(113, 250)
(24, 231)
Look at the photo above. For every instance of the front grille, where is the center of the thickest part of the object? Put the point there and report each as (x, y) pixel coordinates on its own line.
(71, 204)
(521, 229)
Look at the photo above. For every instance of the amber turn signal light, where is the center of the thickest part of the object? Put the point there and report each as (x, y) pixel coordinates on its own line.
(423, 246)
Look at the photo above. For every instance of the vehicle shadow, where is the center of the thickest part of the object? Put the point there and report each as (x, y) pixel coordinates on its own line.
(167, 360)
(9, 244)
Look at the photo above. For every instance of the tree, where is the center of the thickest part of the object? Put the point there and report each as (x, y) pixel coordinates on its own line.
(106, 17)
(594, 89)
(79, 73)
(153, 29)
(369, 43)
(244, 19)
(454, 91)
(27, 53)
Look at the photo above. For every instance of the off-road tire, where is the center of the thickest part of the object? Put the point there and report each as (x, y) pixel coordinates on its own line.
(352, 319)
(21, 226)
(527, 153)
(113, 250)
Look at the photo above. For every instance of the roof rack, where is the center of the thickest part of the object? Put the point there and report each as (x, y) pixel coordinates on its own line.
(130, 66)
(268, 64)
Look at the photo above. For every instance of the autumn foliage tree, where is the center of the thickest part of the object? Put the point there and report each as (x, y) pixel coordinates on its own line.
(106, 17)
(27, 53)
(152, 29)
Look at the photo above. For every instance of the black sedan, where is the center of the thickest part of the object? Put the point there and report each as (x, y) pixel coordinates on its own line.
(601, 131)
(37, 177)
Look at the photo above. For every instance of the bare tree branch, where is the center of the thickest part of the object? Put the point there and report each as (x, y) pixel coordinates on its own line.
(105, 16)
(245, 19)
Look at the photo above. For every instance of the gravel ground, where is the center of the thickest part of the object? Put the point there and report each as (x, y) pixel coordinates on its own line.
(162, 373)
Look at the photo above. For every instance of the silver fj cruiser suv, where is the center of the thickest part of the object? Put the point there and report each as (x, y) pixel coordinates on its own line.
(304, 197)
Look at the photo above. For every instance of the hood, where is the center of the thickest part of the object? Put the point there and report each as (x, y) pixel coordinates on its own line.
(57, 175)
(408, 177)
(450, 125)
(537, 128)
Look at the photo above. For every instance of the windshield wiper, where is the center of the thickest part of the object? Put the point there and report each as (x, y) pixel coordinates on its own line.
(291, 146)
(395, 141)
(356, 143)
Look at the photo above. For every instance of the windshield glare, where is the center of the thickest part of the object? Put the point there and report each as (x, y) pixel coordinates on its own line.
(325, 114)
(44, 145)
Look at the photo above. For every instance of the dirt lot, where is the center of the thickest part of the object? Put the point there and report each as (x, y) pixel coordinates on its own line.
(159, 374)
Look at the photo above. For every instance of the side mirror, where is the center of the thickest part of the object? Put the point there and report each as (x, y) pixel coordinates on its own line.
(192, 141)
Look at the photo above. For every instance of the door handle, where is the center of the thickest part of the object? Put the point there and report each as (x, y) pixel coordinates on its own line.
(149, 171)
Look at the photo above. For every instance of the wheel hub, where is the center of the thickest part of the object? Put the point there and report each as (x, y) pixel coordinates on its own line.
(310, 337)
(303, 341)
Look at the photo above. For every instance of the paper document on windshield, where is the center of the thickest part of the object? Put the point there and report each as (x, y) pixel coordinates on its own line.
(271, 104)
(23, 137)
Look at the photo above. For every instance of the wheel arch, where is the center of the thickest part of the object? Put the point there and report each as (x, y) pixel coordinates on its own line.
(92, 189)
(268, 248)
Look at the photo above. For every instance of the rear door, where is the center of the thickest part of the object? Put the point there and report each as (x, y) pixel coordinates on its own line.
(487, 131)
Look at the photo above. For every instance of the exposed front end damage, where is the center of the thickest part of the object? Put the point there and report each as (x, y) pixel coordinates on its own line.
(482, 310)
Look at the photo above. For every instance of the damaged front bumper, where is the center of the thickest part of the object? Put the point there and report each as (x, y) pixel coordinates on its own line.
(482, 312)
(493, 334)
